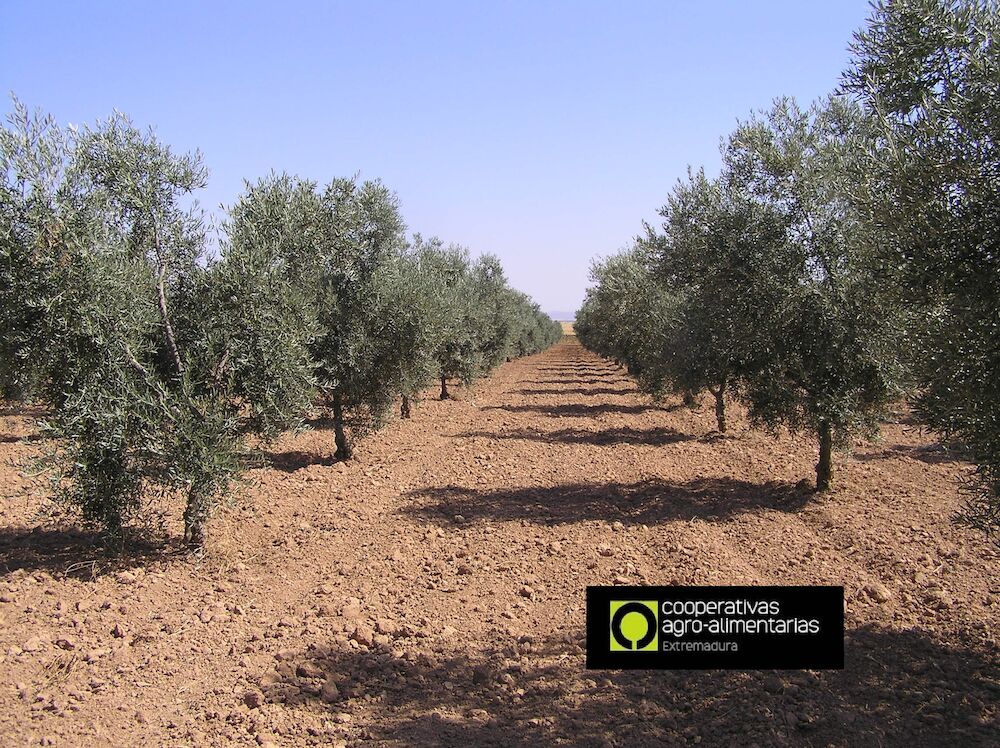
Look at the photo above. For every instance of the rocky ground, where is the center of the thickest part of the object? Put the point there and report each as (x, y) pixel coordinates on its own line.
(431, 592)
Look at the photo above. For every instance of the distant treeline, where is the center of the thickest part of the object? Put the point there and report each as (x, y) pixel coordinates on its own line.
(847, 255)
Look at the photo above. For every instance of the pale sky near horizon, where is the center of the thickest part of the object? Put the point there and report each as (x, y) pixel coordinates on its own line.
(544, 132)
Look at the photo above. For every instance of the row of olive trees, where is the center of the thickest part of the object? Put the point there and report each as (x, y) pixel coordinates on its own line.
(763, 284)
(845, 255)
(162, 365)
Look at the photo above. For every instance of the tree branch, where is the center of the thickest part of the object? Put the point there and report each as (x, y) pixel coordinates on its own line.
(162, 294)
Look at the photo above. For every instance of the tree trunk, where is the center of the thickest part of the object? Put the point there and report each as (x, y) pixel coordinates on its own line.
(404, 408)
(720, 406)
(161, 296)
(444, 387)
(824, 468)
(195, 520)
(344, 449)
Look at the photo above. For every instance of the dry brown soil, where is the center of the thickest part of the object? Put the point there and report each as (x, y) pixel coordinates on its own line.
(431, 592)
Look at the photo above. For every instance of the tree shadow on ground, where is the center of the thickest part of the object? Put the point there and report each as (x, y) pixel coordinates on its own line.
(658, 436)
(295, 459)
(932, 454)
(319, 421)
(576, 409)
(646, 502)
(25, 410)
(78, 553)
(579, 369)
(21, 410)
(577, 391)
(906, 417)
(14, 439)
(898, 688)
(570, 381)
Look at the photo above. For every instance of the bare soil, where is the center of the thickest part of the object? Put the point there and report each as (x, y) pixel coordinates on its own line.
(431, 591)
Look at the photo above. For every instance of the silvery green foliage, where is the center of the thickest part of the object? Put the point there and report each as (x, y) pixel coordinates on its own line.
(494, 306)
(449, 286)
(827, 357)
(533, 330)
(360, 238)
(712, 248)
(419, 324)
(928, 74)
(386, 316)
(629, 317)
(511, 324)
(153, 378)
(249, 328)
(461, 318)
(159, 363)
(341, 249)
(458, 352)
(764, 281)
(478, 320)
(33, 156)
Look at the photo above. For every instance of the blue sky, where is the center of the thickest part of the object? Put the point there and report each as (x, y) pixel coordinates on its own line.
(544, 132)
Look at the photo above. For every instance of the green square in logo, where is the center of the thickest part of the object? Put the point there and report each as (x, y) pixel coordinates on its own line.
(634, 626)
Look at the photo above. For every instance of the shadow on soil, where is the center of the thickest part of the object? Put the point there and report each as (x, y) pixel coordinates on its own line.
(20, 410)
(932, 454)
(12, 439)
(898, 688)
(320, 421)
(576, 390)
(647, 502)
(579, 369)
(292, 460)
(25, 410)
(623, 435)
(573, 380)
(78, 553)
(576, 409)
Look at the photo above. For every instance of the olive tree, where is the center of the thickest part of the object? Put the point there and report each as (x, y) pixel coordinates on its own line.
(928, 74)
(533, 330)
(631, 318)
(418, 324)
(826, 357)
(474, 319)
(361, 234)
(494, 311)
(34, 153)
(142, 352)
(712, 250)
(339, 247)
(450, 283)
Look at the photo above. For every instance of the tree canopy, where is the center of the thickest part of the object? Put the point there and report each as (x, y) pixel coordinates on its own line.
(163, 364)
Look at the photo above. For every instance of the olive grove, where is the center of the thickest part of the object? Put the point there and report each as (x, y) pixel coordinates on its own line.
(162, 366)
(843, 259)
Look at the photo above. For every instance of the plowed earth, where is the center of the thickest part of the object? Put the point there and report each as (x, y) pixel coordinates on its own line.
(431, 592)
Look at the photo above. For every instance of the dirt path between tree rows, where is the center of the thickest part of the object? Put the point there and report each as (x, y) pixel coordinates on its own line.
(431, 592)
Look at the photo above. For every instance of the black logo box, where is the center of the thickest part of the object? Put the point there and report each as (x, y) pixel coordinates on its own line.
(760, 651)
